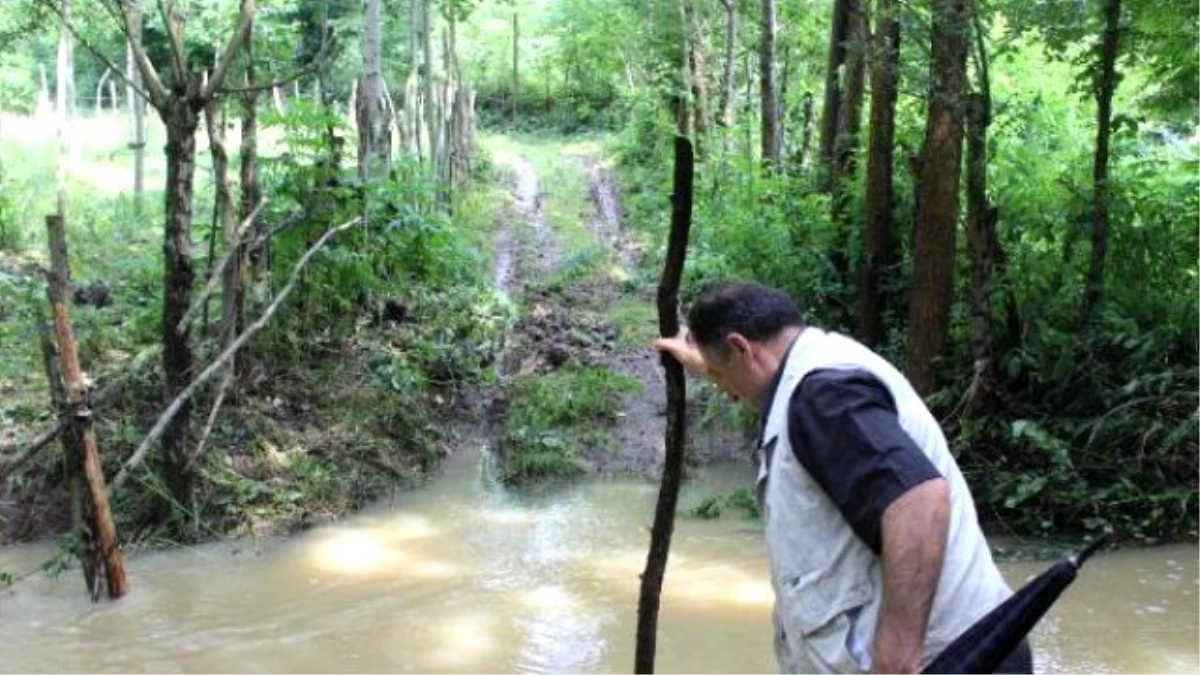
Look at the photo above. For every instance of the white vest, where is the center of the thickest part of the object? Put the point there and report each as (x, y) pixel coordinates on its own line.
(828, 583)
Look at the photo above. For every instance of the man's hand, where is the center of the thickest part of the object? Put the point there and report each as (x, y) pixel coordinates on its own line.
(684, 351)
(913, 534)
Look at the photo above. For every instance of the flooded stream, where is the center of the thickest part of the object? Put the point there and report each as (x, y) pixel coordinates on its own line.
(460, 576)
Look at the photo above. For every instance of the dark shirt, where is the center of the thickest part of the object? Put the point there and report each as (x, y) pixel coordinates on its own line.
(845, 432)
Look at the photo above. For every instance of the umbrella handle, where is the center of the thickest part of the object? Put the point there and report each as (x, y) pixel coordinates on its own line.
(1081, 557)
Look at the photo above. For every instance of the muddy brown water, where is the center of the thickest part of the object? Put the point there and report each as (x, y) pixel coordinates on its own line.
(464, 576)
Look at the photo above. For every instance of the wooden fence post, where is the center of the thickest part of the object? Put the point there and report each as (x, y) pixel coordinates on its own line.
(79, 410)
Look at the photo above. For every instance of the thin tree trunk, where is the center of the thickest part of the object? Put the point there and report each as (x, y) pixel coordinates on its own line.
(675, 440)
(251, 191)
(770, 107)
(981, 218)
(1105, 85)
(98, 106)
(981, 228)
(72, 444)
(697, 59)
(838, 33)
(63, 94)
(78, 392)
(137, 112)
(730, 43)
(427, 84)
(682, 97)
(846, 143)
(226, 216)
(412, 113)
(806, 114)
(516, 81)
(374, 153)
(937, 213)
(879, 240)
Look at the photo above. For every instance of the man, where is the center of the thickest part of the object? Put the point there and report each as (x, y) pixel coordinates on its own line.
(876, 555)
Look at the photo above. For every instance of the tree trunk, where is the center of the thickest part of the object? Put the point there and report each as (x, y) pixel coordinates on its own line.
(730, 43)
(412, 114)
(78, 391)
(516, 82)
(181, 120)
(64, 92)
(801, 160)
(98, 106)
(227, 218)
(981, 225)
(675, 440)
(879, 241)
(697, 59)
(427, 83)
(1104, 87)
(846, 144)
(137, 112)
(374, 151)
(72, 444)
(251, 191)
(770, 106)
(937, 213)
(838, 33)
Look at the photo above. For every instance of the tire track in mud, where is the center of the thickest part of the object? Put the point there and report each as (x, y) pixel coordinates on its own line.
(577, 322)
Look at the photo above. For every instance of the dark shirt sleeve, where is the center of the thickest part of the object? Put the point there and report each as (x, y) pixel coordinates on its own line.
(845, 432)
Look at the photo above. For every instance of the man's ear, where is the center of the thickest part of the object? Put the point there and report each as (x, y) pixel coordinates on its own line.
(737, 344)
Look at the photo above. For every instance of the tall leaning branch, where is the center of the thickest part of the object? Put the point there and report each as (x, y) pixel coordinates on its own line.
(672, 473)
(184, 396)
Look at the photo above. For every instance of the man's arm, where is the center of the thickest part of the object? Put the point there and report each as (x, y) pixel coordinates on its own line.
(913, 537)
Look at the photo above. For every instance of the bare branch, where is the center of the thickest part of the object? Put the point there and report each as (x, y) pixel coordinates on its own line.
(139, 455)
(10, 463)
(215, 273)
(308, 69)
(57, 9)
(231, 48)
(212, 417)
(131, 16)
(171, 19)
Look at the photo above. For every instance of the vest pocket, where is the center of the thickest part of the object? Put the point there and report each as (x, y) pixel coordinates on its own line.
(818, 616)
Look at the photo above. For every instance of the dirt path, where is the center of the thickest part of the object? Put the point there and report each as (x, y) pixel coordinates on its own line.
(580, 321)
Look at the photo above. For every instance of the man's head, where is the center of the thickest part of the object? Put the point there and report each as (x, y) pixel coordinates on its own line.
(742, 331)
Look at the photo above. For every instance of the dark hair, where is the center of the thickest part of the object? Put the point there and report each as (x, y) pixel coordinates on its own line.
(757, 312)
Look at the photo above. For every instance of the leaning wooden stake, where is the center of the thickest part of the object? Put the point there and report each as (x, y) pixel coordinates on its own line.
(672, 474)
(78, 405)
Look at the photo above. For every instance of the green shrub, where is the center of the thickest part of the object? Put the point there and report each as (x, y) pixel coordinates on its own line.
(552, 419)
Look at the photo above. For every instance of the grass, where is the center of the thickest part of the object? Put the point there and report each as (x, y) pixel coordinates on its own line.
(562, 180)
(554, 419)
(636, 321)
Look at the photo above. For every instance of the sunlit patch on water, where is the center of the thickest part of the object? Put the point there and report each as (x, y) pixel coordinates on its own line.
(549, 597)
(355, 552)
(462, 642)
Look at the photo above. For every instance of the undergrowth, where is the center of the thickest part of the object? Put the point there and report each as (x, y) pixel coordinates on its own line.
(554, 420)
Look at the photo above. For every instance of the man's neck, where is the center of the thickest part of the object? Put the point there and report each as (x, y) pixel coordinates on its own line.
(774, 353)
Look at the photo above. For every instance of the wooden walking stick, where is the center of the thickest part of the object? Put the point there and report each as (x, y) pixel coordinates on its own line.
(672, 473)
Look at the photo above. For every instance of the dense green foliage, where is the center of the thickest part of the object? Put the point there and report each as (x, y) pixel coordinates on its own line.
(1094, 426)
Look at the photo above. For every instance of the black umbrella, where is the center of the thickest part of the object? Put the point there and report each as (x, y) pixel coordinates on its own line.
(983, 646)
